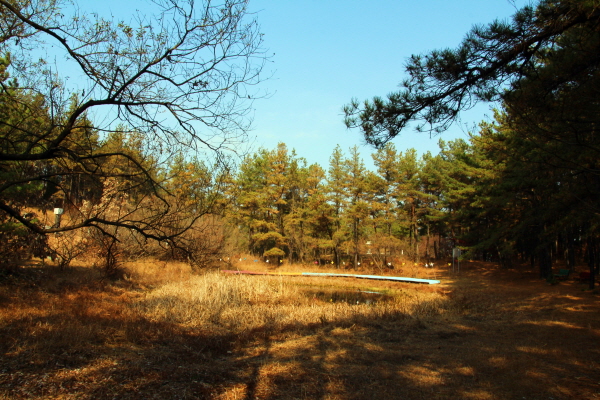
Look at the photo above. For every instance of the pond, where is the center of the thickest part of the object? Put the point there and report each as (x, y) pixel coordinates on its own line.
(347, 296)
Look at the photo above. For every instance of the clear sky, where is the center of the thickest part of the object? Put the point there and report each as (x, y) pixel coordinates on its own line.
(327, 52)
(330, 51)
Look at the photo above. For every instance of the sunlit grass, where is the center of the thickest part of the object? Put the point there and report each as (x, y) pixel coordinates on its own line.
(240, 302)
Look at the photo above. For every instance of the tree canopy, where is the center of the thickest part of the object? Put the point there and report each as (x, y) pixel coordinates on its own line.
(488, 65)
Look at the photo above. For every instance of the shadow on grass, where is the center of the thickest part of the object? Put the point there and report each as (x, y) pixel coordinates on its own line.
(107, 357)
(527, 340)
(425, 362)
(80, 342)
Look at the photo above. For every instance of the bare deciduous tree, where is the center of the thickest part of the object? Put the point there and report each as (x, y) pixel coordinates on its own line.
(179, 79)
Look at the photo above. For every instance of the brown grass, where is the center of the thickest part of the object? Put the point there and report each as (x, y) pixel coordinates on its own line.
(165, 333)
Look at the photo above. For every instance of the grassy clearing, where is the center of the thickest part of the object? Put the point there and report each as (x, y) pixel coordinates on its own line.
(245, 306)
(167, 333)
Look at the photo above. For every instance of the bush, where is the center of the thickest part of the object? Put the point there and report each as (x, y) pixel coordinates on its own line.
(18, 243)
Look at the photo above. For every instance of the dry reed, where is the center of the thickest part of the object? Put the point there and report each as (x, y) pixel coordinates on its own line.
(241, 303)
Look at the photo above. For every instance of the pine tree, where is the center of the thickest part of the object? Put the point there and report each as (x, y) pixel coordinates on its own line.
(410, 197)
(356, 187)
(338, 200)
(385, 202)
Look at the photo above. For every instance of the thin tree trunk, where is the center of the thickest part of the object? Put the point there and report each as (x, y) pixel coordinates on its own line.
(545, 262)
(593, 260)
(427, 245)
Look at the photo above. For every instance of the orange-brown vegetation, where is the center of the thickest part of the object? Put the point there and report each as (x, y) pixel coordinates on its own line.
(166, 333)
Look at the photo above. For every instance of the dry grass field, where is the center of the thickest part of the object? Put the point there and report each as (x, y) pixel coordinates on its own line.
(165, 333)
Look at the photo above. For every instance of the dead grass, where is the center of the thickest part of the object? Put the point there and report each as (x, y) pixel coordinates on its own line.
(165, 333)
(242, 303)
(152, 272)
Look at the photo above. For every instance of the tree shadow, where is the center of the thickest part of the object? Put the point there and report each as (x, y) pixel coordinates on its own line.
(540, 345)
(535, 345)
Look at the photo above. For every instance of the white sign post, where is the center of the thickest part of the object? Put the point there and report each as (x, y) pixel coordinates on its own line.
(57, 213)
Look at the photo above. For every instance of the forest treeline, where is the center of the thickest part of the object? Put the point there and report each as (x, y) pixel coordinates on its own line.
(498, 196)
(139, 157)
(533, 176)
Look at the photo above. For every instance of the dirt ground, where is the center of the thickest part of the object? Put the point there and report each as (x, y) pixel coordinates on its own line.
(516, 337)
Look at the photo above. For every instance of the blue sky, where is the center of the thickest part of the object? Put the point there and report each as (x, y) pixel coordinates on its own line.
(330, 51)
(327, 52)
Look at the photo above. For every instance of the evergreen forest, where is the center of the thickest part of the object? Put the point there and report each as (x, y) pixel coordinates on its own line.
(523, 189)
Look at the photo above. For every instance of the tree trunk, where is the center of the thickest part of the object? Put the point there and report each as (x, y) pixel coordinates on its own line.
(427, 246)
(356, 236)
(545, 262)
(593, 259)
